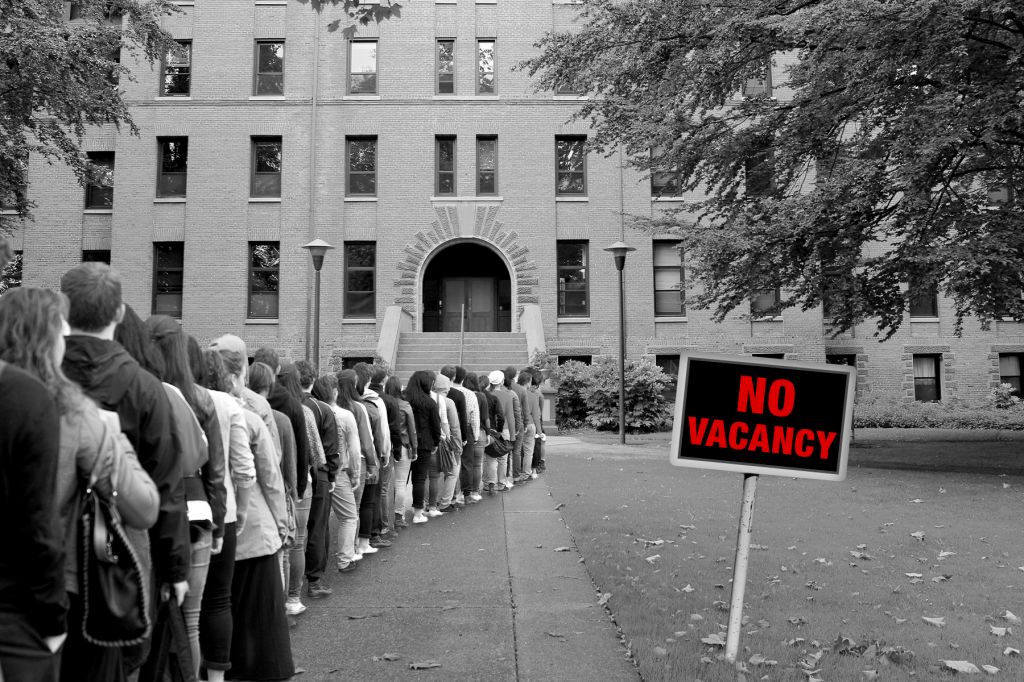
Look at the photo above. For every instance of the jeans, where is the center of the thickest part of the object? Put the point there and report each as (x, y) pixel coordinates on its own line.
(434, 480)
(538, 454)
(297, 553)
(343, 502)
(475, 456)
(216, 625)
(515, 466)
(420, 474)
(367, 504)
(24, 656)
(402, 488)
(191, 607)
(494, 469)
(387, 497)
(450, 481)
(526, 456)
(318, 539)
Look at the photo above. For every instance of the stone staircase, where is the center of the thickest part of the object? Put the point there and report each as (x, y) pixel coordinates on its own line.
(483, 352)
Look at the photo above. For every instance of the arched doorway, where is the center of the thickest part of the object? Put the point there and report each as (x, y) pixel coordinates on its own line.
(467, 278)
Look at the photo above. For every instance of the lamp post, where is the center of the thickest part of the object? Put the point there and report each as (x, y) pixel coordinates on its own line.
(619, 251)
(317, 250)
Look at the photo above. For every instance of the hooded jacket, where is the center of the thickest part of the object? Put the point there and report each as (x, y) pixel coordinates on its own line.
(111, 377)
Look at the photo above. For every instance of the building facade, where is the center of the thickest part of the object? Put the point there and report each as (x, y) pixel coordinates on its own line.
(446, 184)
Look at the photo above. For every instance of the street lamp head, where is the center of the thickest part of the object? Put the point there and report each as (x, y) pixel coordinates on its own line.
(317, 249)
(619, 251)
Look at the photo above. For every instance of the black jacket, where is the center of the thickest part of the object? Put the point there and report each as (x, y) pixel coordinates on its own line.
(394, 418)
(283, 401)
(113, 379)
(460, 406)
(328, 428)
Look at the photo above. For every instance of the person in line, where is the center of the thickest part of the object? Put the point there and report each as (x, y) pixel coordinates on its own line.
(377, 411)
(502, 421)
(538, 449)
(44, 477)
(472, 383)
(470, 430)
(449, 478)
(394, 428)
(428, 433)
(515, 466)
(405, 454)
(109, 375)
(348, 398)
(260, 643)
(369, 501)
(216, 625)
(532, 421)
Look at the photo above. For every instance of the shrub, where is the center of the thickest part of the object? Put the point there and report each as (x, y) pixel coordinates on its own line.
(950, 415)
(1003, 397)
(646, 407)
(571, 380)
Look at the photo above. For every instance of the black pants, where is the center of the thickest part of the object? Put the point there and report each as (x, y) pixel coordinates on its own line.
(368, 508)
(215, 621)
(318, 538)
(24, 656)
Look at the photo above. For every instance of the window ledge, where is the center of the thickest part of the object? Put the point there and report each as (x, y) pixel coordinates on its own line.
(266, 98)
(572, 199)
(173, 98)
(445, 2)
(355, 200)
(777, 318)
(359, 320)
(571, 98)
(254, 320)
(169, 200)
(264, 200)
(189, 3)
(677, 200)
(486, 98)
(361, 98)
(924, 319)
(485, 197)
(670, 319)
(271, 2)
(573, 320)
(98, 211)
(8, 211)
(487, 2)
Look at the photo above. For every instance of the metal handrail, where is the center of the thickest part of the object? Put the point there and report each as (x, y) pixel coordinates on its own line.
(462, 333)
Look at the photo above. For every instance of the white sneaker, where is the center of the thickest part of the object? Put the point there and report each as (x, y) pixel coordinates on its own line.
(356, 556)
(509, 483)
(434, 513)
(533, 474)
(419, 518)
(368, 550)
(294, 607)
(476, 497)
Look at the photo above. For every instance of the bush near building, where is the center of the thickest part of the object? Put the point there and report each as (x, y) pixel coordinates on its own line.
(589, 395)
(1001, 410)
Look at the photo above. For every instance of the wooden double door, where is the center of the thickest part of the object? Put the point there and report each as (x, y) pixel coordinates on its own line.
(478, 298)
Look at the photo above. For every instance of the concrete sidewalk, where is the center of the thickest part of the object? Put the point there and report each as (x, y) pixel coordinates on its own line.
(482, 592)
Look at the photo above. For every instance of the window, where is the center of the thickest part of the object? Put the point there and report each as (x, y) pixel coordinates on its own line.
(850, 360)
(444, 184)
(572, 279)
(924, 299)
(485, 67)
(360, 278)
(9, 200)
(168, 277)
(926, 378)
(96, 256)
(361, 165)
(665, 182)
(446, 67)
(669, 364)
(176, 75)
(10, 276)
(564, 88)
(264, 279)
(487, 164)
(758, 176)
(1009, 371)
(350, 361)
(269, 72)
(570, 165)
(362, 67)
(585, 359)
(759, 85)
(764, 302)
(835, 288)
(669, 294)
(769, 356)
(266, 167)
(172, 175)
(101, 196)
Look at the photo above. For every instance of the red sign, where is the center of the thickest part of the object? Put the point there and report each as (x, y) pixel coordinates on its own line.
(762, 416)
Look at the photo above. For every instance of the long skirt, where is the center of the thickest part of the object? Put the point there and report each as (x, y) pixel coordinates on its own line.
(261, 648)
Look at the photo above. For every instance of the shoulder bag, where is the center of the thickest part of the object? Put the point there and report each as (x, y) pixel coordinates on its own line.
(498, 447)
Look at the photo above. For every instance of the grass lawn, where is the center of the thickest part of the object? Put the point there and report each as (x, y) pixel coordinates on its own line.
(830, 561)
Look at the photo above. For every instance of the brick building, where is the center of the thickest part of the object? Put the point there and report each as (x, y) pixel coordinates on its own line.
(441, 177)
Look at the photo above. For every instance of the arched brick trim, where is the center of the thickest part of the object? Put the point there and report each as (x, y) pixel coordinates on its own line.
(449, 228)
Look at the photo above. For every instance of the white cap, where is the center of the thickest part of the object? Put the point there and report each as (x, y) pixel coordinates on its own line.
(496, 377)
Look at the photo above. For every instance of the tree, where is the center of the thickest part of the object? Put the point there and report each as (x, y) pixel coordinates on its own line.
(58, 78)
(361, 13)
(890, 152)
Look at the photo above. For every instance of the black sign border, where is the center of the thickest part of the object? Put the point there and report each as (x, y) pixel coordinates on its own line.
(694, 463)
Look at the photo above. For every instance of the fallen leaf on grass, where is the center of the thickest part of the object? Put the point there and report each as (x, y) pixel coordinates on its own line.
(652, 559)
(918, 535)
(685, 527)
(912, 575)
(797, 620)
(604, 598)
(862, 556)
(796, 641)
(367, 615)
(660, 651)
(917, 500)
(869, 674)
(713, 640)
(386, 657)
(941, 578)
(944, 553)
(705, 660)
(999, 632)
(1010, 651)
(961, 667)
(556, 635)
(687, 589)
(990, 669)
(424, 665)
(563, 549)
(938, 621)
(1010, 618)
(823, 561)
(559, 506)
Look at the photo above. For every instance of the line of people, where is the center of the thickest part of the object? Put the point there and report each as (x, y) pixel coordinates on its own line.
(225, 475)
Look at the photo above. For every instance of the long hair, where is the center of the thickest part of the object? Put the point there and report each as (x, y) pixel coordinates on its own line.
(195, 360)
(470, 382)
(289, 380)
(31, 325)
(261, 377)
(417, 391)
(348, 394)
(133, 336)
(393, 388)
(215, 374)
(323, 388)
(169, 339)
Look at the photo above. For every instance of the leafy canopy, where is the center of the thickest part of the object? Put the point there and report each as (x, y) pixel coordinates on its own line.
(889, 153)
(362, 13)
(60, 77)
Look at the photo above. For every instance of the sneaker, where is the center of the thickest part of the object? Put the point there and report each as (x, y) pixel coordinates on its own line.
(293, 606)
(499, 488)
(534, 475)
(379, 542)
(434, 513)
(318, 590)
(400, 522)
(476, 497)
(369, 549)
(346, 567)
(356, 556)
(490, 488)
(447, 508)
(509, 484)
(419, 518)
